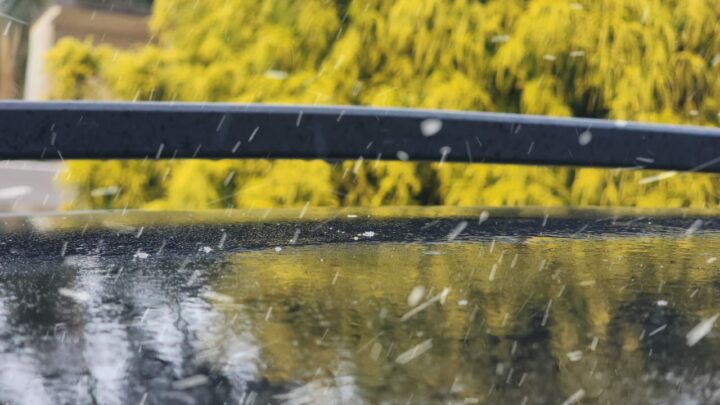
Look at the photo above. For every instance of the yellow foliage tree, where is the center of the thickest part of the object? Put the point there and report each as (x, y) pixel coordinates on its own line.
(646, 60)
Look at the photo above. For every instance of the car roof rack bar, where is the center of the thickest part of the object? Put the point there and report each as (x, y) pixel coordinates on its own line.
(155, 130)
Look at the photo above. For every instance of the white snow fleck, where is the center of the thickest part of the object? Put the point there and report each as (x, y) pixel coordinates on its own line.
(76, 295)
(414, 352)
(492, 272)
(575, 398)
(576, 355)
(657, 330)
(415, 295)
(304, 210)
(547, 313)
(206, 249)
(694, 227)
(457, 230)
(594, 343)
(252, 135)
(462, 303)
(430, 126)
(438, 298)
(141, 255)
(295, 237)
(368, 234)
(217, 297)
(701, 330)
(191, 382)
(585, 138)
(402, 155)
(444, 151)
(658, 177)
(278, 248)
(483, 217)
(662, 303)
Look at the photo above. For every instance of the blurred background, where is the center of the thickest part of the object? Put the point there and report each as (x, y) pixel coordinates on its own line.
(30, 28)
(644, 60)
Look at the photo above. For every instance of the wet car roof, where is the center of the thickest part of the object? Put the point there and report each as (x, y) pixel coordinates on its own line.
(382, 305)
(122, 231)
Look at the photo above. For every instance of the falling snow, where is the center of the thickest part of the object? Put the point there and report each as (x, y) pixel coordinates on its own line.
(75, 295)
(414, 352)
(585, 138)
(430, 127)
(416, 295)
(141, 255)
(457, 231)
(700, 330)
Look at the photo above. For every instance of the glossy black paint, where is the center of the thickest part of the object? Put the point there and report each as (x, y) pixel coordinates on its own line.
(91, 130)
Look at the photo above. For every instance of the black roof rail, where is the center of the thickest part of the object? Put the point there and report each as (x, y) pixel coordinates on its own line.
(98, 130)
